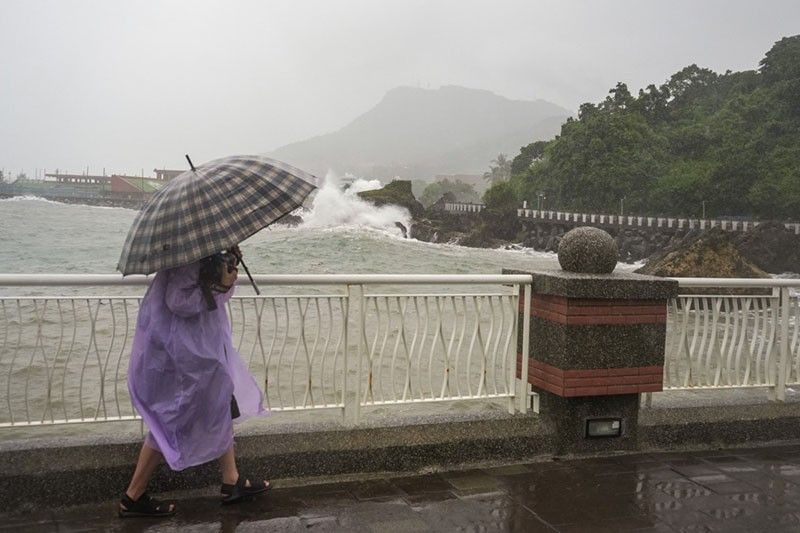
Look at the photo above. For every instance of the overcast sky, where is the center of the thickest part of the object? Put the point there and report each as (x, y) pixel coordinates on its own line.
(136, 84)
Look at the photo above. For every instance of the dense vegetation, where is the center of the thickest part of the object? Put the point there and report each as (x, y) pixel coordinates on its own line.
(730, 140)
(457, 189)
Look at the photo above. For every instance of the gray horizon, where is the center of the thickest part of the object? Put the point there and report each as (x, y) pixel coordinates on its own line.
(133, 86)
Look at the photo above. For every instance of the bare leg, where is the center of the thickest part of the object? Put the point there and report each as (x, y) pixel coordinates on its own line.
(230, 474)
(149, 459)
(227, 463)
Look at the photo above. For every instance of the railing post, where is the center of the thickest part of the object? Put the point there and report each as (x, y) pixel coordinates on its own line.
(511, 378)
(522, 383)
(351, 389)
(783, 355)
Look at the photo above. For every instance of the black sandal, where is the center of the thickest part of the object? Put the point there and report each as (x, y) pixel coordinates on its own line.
(144, 506)
(239, 491)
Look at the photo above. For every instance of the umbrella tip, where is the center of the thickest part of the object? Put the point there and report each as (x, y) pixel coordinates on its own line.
(190, 163)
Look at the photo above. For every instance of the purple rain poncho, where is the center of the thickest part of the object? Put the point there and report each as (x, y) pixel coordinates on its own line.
(184, 369)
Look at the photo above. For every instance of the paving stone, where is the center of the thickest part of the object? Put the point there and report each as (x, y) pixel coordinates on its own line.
(286, 523)
(46, 525)
(509, 470)
(374, 490)
(421, 484)
(610, 526)
(661, 474)
(473, 482)
(695, 470)
(734, 487)
(719, 461)
(418, 501)
(753, 491)
(322, 524)
(497, 513)
(405, 525)
(712, 479)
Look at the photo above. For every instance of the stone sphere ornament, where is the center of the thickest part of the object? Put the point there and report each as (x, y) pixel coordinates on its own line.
(588, 250)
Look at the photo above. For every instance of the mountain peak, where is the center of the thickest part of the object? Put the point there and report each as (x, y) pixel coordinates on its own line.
(415, 132)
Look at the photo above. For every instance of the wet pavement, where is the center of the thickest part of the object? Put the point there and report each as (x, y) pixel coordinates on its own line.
(741, 490)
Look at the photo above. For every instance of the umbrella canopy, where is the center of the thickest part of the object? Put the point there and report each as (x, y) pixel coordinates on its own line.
(210, 209)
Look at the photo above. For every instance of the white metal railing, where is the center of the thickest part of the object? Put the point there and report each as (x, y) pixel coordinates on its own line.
(334, 341)
(647, 221)
(463, 207)
(734, 333)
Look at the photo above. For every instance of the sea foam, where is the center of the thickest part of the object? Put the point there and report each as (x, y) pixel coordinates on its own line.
(336, 207)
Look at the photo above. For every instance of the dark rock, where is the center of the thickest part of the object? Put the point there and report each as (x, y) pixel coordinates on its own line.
(771, 247)
(552, 243)
(711, 254)
(290, 220)
(588, 250)
(481, 237)
(445, 229)
(402, 228)
(398, 192)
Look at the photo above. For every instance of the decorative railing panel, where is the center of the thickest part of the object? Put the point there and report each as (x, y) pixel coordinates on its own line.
(721, 341)
(64, 359)
(295, 346)
(439, 347)
(728, 333)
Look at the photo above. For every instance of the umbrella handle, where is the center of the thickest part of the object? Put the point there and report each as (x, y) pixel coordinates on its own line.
(252, 281)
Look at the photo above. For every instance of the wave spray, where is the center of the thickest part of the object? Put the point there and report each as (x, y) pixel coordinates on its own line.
(336, 207)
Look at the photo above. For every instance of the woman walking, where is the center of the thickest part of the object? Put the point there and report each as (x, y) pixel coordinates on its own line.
(188, 382)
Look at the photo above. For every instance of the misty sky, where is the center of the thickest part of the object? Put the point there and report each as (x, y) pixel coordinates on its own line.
(136, 84)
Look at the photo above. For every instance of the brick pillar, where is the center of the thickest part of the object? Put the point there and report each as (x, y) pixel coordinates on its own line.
(596, 343)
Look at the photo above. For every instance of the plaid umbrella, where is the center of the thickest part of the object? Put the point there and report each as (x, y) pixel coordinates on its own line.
(209, 209)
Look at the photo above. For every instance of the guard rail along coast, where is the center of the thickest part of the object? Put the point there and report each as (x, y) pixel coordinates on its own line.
(349, 342)
(633, 221)
(463, 207)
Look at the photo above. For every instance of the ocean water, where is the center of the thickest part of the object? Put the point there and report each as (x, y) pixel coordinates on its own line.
(341, 235)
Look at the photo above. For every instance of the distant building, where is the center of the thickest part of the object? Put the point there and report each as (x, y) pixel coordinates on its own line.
(134, 185)
(80, 178)
(167, 175)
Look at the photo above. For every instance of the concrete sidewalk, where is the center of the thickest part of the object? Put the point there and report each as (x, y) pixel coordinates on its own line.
(735, 490)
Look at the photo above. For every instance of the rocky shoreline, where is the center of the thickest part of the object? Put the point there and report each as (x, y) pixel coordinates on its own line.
(91, 201)
(770, 247)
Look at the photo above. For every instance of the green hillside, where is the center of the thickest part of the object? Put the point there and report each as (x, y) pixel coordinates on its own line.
(730, 140)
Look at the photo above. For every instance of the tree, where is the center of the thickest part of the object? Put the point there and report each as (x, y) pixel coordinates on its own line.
(619, 99)
(499, 170)
(527, 155)
(690, 81)
(460, 191)
(500, 197)
(780, 69)
(653, 102)
(782, 61)
(501, 210)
